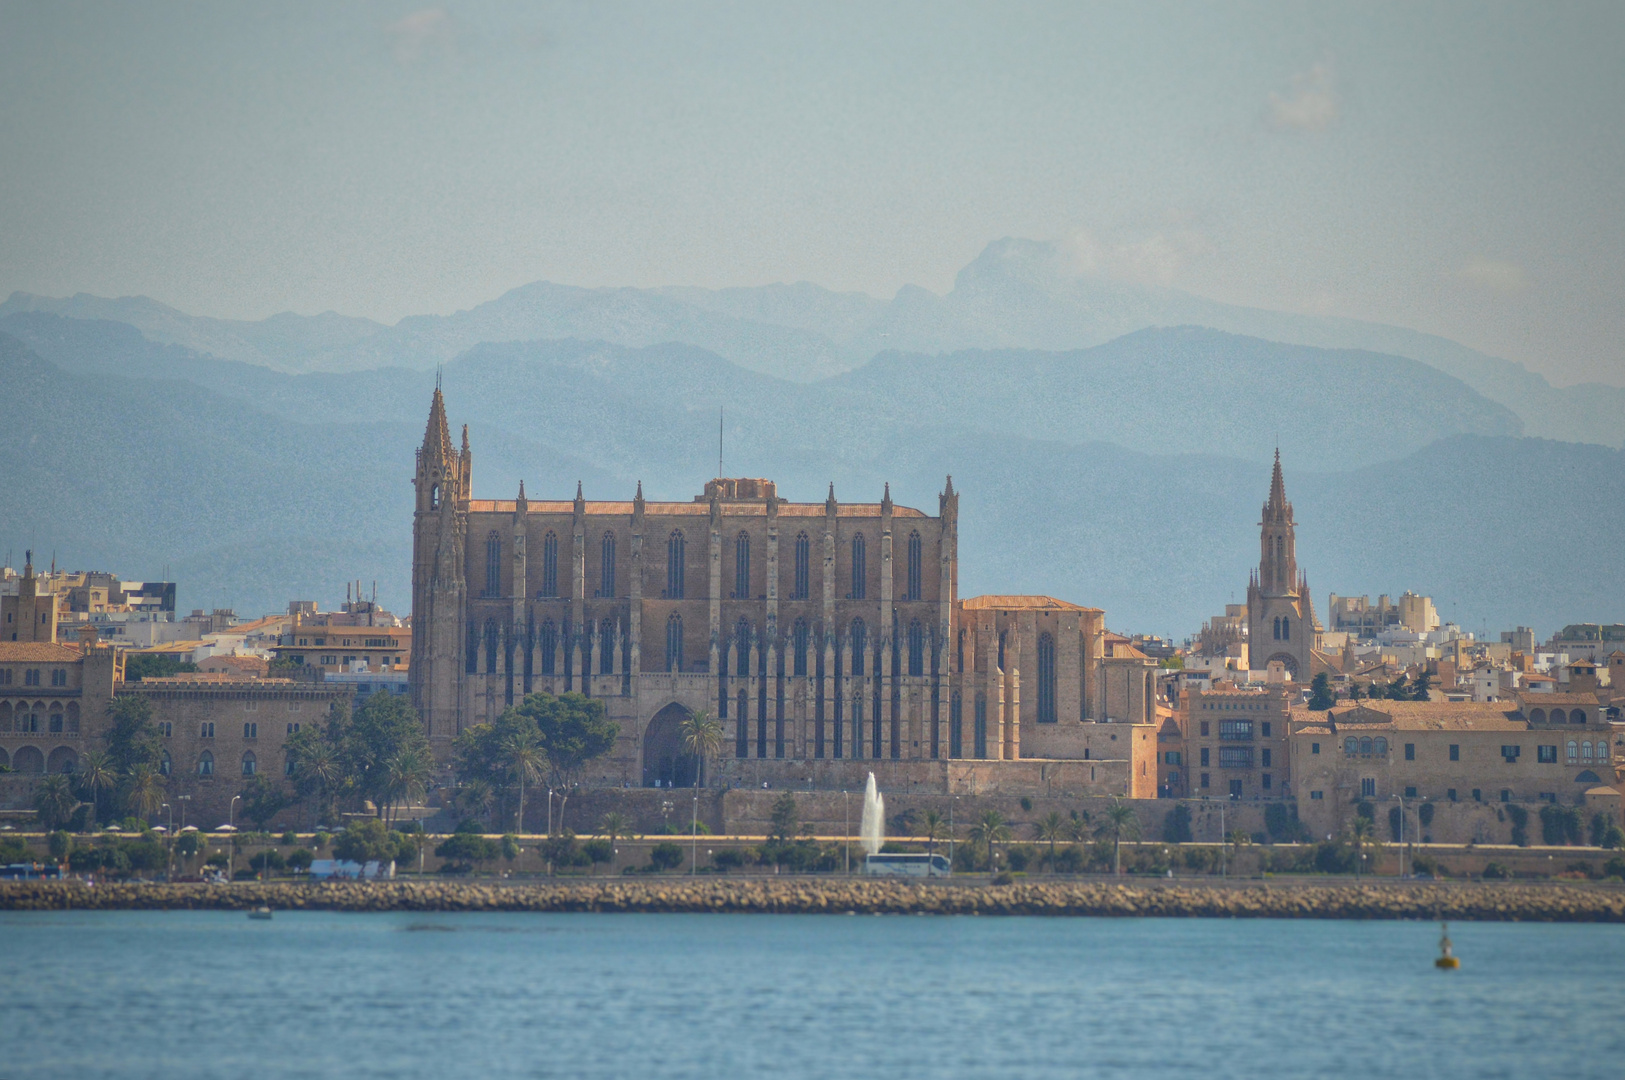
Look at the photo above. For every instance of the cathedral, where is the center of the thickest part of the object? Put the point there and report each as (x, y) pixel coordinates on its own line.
(828, 638)
(1281, 623)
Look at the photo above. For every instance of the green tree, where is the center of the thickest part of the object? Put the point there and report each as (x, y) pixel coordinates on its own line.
(614, 826)
(96, 775)
(599, 851)
(59, 844)
(144, 790)
(54, 801)
(666, 856)
(785, 823)
(702, 737)
(139, 665)
(1419, 689)
(933, 827)
(988, 831)
(383, 733)
(1356, 691)
(406, 778)
(1176, 825)
(1321, 696)
(1052, 829)
(526, 761)
(464, 849)
(318, 773)
(263, 799)
(575, 732)
(1120, 820)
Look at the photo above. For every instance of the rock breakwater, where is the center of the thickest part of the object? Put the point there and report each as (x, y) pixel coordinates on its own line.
(1332, 900)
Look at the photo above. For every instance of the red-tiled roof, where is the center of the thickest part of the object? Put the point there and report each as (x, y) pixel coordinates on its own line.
(37, 652)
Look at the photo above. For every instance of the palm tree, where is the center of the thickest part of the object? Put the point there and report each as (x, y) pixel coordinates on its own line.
(145, 791)
(1120, 819)
(989, 829)
(406, 777)
(317, 770)
(1362, 834)
(614, 826)
(54, 800)
(96, 774)
(527, 759)
(1077, 828)
(933, 826)
(1054, 827)
(702, 737)
(476, 798)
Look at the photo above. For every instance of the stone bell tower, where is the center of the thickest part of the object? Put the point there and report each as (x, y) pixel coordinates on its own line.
(439, 588)
(1281, 623)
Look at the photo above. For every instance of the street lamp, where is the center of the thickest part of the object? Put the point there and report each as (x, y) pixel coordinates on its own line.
(169, 840)
(846, 828)
(694, 839)
(183, 800)
(231, 810)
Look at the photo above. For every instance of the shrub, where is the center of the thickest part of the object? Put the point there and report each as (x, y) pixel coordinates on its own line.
(299, 859)
(289, 838)
(510, 846)
(728, 859)
(1201, 859)
(188, 844)
(1026, 804)
(59, 844)
(14, 850)
(1559, 825)
(1069, 860)
(1424, 814)
(321, 839)
(1333, 858)
(1396, 823)
(1614, 868)
(1003, 877)
(1495, 872)
(563, 851)
(1176, 824)
(599, 851)
(464, 849)
(1019, 856)
(218, 859)
(666, 856)
(1613, 838)
(268, 860)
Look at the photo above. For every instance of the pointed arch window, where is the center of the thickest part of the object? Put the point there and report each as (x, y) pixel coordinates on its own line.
(166, 764)
(741, 648)
(550, 565)
(548, 642)
(490, 646)
(742, 567)
(1286, 628)
(606, 646)
(803, 567)
(473, 658)
(860, 567)
(798, 637)
(493, 564)
(606, 565)
(674, 642)
(860, 645)
(979, 745)
(248, 763)
(913, 566)
(916, 648)
(434, 496)
(675, 549)
(1046, 679)
(205, 764)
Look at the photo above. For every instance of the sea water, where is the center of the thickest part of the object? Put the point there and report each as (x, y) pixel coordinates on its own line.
(207, 994)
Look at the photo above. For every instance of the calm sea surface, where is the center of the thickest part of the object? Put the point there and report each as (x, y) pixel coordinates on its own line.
(179, 994)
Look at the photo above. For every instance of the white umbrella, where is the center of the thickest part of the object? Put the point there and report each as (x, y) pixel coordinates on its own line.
(188, 828)
(159, 828)
(225, 828)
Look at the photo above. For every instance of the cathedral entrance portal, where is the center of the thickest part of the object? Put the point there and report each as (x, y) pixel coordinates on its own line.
(665, 762)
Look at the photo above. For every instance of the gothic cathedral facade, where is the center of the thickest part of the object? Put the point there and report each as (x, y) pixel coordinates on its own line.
(825, 637)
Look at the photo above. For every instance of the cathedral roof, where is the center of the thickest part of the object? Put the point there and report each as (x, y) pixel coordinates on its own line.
(689, 509)
(1041, 603)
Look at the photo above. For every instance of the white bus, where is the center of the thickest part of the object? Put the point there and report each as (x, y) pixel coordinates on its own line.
(907, 865)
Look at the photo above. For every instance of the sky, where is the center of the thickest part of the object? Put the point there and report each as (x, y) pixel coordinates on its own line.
(1455, 168)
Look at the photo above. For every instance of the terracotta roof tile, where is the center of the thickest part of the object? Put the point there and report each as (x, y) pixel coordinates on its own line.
(37, 652)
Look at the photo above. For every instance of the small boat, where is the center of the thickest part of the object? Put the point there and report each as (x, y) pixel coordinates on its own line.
(1447, 960)
(261, 912)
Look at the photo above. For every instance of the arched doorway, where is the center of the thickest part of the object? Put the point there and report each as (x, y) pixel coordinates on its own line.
(665, 762)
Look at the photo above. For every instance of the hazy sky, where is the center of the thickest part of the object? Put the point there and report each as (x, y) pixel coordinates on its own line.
(1454, 168)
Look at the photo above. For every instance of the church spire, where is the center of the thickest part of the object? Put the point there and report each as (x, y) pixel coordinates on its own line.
(437, 434)
(1277, 509)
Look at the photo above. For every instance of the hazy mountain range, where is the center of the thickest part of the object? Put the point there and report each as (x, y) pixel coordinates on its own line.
(263, 461)
(1018, 294)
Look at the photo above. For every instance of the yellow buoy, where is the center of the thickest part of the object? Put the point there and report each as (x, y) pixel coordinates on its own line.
(1447, 960)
